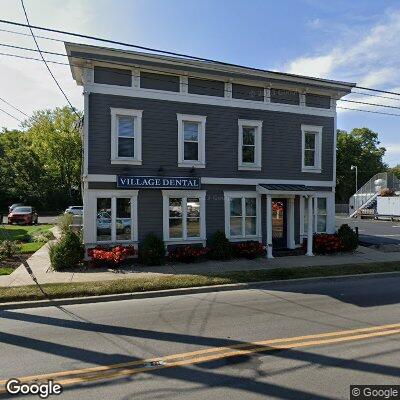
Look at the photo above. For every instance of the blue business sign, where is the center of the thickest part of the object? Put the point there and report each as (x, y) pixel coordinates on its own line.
(157, 182)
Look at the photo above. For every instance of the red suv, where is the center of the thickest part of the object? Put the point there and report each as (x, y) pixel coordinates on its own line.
(23, 215)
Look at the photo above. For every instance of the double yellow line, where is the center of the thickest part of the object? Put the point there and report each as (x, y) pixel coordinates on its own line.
(72, 377)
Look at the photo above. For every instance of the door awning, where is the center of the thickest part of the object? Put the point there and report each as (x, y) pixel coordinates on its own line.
(283, 189)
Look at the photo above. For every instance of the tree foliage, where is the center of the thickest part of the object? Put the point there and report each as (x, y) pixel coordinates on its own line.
(41, 164)
(358, 147)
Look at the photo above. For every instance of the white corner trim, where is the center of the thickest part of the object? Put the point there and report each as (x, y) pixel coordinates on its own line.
(184, 195)
(318, 148)
(202, 99)
(137, 114)
(242, 194)
(201, 120)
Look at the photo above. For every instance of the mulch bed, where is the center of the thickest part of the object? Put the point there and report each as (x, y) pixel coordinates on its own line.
(14, 262)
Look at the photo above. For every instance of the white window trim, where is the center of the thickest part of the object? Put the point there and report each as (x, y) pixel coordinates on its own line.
(114, 194)
(256, 166)
(242, 194)
(201, 162)
(137, 159)
(318, 148)
(315, 210)
(184, 194)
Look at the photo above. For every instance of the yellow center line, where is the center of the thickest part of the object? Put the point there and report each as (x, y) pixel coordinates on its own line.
(198, 356)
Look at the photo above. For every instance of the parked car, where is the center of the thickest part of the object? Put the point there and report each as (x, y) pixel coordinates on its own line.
(75, 210)
(23, 215)
(10, 208)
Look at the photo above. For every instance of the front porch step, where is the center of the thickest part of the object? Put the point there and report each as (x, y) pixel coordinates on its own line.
(288, 252)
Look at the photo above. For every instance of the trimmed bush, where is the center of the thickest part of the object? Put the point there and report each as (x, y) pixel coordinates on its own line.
(152, 251)
(348, 238)
(187, 254)
(9, 249)
(67, 253)
(220, 247)
(249, 250)
(64, 221)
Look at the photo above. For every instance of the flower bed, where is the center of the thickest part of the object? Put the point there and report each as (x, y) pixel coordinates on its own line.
(248, 250)
(101, 256)
(325, 243)
(187, 254)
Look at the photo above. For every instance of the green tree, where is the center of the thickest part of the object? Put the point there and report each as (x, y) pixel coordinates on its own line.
(359, 147)
(396, 170)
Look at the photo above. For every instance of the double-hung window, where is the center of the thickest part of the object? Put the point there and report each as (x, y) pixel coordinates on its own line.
(321, 214)
(116, 217)
(249, 151)
(126, 140)
(311, 148)
(242, 216)
(184, 216)
(191, 140)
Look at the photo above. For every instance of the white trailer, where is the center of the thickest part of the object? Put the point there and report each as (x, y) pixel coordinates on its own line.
(388, 207)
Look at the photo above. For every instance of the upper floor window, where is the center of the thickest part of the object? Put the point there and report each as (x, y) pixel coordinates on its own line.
(191, 140)
(126, 140)
(249, 152)
(311, 148)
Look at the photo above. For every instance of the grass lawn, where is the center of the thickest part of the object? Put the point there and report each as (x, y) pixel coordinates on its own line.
(142, 284)
(22, 234)
(6, 270)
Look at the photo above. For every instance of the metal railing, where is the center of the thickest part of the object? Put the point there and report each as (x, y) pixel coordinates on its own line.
(370, 190)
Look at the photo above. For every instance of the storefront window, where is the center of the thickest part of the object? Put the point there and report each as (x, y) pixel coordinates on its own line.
(242, 216)
(114, 219)
(193, 217)
(103, 226)
(321, 214)
(175, 218)
(124, 219)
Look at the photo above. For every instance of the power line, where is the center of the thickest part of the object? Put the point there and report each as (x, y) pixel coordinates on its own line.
(10, 115)
(175, 54)
(41, 55)
(67, 64)
(374, 95)
(15, 108)
(27, 34)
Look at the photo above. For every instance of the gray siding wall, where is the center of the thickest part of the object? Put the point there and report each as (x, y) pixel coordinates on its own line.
(206, 87)
(281, 140)
(246, 92)
(113, 76)
(284, 96)
(315, 100)
(159, 81)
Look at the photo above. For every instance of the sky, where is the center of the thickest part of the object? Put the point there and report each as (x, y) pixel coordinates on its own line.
(355, 41)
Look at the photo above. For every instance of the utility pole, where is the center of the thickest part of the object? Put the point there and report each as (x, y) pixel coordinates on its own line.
(354, 167)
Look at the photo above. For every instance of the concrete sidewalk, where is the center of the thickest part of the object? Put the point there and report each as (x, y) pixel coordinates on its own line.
(40, 265)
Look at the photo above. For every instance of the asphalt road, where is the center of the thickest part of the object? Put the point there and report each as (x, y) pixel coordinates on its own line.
(46, 340)
(373, 232)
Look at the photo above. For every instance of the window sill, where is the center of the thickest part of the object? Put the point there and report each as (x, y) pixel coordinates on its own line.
(311, 170)
(187, 241)
(245, 239)
(249, 168)
(127, 162)
(190, 165)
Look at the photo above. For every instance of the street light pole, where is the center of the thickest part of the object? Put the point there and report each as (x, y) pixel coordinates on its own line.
(354, 167)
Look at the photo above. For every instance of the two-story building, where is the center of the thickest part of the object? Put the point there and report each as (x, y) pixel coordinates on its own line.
(183, 148)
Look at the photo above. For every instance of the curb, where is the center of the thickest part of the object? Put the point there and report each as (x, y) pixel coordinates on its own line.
(181, 291)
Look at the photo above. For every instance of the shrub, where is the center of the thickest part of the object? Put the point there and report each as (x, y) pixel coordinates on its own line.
(248, 250)
(325, 243)
(187, 254)
(152, 251)
(8, 249)
(387, 192)
(66, 253)
(348, 238)
(220, 247)
(64, 221)
(101, 256)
